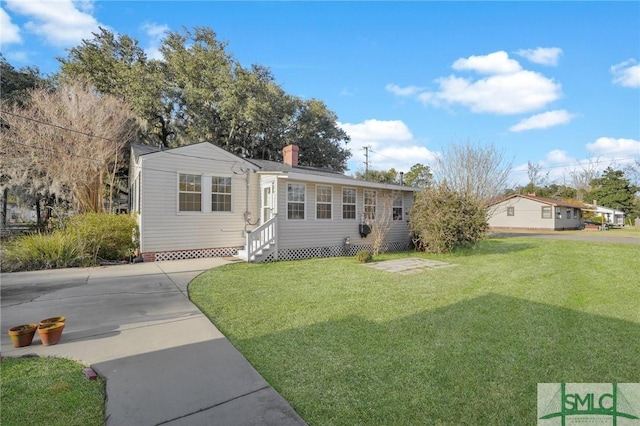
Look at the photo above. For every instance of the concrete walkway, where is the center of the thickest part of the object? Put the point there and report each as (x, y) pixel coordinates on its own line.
(163, 360)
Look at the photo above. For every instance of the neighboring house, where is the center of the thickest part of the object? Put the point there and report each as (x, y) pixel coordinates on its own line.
(18, 213)
(531, 212)
(202, 201)
(610, 216)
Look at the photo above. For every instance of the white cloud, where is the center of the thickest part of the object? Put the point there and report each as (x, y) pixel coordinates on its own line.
(403, 91)
(516, 93)
(60, 22)
(506, 88)
(542, 55)
(544, 120)
(392, 145)
(493, 63)
(9, 32)
(156, 33)
(558, 156)
(627, 73)
(18, 56)
(376, 131)
(606, 146)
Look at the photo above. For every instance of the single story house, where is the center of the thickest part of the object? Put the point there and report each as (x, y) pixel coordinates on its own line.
(534, 213)
(202, 201)
(610, 216)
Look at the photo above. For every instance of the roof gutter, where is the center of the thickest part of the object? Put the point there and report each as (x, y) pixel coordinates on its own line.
(345, 182)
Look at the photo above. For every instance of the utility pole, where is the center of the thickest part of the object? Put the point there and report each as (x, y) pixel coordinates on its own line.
(366, 161)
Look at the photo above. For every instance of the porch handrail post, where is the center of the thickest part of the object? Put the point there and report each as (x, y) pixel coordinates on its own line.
(275, 236)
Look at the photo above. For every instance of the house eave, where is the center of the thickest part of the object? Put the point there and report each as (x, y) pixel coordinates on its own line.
(339, 181)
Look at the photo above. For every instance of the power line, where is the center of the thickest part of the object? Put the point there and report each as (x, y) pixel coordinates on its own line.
(98, 137)
(557, 166)
(368, 149)
(67, 129)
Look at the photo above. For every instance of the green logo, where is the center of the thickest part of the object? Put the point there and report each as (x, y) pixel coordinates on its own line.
(592, 403)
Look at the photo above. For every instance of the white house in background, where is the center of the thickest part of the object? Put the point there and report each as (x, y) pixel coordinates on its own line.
(530, 212)
(202, 201)
(609, 215)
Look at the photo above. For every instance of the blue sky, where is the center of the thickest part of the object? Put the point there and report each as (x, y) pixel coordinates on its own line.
(549, 82)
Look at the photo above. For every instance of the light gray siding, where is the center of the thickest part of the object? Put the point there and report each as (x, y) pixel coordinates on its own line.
(164, 228)
(312, 232)
(527, 214)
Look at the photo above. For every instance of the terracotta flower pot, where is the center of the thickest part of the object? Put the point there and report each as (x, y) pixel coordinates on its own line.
(52, 320)
(22, 335)
(50, 333)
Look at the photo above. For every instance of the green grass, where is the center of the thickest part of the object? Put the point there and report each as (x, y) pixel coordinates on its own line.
(346, 344)
(49, 391)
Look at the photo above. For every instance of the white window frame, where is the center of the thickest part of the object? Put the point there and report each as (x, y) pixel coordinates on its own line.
(395, 206)
(303, 202)
(354, 204)
(549, 210)
(206, 192)
(211, 193)
(179, 191)
(369, 215)
(324, 203)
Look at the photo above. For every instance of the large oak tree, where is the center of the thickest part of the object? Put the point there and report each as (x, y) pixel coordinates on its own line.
(198, 92)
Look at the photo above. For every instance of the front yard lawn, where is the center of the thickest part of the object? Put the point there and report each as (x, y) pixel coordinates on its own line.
(49, 391)
(346, 344)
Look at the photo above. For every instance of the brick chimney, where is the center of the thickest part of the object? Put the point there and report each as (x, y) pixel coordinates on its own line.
(290, 155)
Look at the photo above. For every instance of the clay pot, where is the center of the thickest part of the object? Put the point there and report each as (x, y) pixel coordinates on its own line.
(22, 335)
(52, 320)
(50, 333)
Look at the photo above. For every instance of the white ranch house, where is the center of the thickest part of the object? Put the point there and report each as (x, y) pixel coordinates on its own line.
(610, 216)
(535, 213)
(202, 201)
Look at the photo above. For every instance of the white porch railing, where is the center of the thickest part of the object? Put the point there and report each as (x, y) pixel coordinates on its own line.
(262, 237)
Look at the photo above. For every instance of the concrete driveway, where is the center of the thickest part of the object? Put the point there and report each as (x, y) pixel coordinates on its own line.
(163, 360)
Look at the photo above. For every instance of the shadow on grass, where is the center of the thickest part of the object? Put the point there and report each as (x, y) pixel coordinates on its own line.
(474, 362)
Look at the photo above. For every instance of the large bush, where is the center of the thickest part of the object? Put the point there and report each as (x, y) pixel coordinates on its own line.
(442, 219)
(104, 236)
(84, 240)
(41, 251)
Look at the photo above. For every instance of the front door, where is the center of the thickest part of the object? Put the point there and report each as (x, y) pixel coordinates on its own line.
(267, 204)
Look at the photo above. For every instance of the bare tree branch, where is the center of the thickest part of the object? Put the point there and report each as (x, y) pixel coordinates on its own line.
(69, 141)
(480, 172)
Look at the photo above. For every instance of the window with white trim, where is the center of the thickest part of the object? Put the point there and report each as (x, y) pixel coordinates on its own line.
(190, 193)
(296, 193)
(558, 213)
(546, 212)
(397, 207)
(349, 203)
(220, 194)
(324, 204)
(369, 204)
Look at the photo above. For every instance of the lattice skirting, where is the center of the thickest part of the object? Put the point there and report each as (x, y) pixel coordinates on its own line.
(196, 253)
(332, 251)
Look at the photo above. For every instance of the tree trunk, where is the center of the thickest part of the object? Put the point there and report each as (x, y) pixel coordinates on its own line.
(38, 213)
(5, 194)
